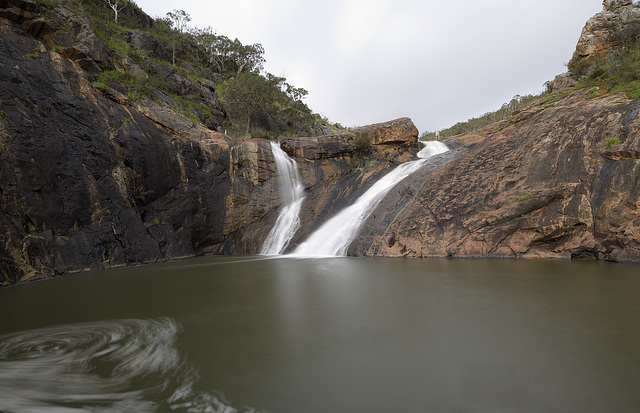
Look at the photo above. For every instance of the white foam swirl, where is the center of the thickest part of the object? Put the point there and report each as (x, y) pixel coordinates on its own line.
(108, 366)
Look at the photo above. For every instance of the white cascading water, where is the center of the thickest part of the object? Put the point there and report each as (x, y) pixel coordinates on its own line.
(291, 195)
(333, 237)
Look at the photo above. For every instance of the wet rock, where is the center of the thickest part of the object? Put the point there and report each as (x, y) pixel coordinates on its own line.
(334, 170)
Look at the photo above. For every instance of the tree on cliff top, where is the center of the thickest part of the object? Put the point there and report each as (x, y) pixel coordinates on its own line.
(249, 97)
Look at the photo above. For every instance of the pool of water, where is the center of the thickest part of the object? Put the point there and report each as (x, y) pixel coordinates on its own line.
(282, 335)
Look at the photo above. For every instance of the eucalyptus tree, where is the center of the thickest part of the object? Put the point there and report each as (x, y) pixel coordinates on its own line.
(249, 95)
(230, 57)
(178, 20)
(116, 6)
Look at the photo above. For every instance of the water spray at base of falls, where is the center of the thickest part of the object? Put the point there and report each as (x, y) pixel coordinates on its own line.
(291, 195)
(332, 239)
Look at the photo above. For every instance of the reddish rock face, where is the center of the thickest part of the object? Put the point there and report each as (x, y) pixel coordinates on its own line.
(557, 180)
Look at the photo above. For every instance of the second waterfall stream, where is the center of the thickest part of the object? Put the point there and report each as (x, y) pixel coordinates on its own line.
(332, 239)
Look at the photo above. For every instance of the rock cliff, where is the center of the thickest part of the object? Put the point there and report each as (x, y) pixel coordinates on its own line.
(335, 169)
(557, 180)
(91, 180)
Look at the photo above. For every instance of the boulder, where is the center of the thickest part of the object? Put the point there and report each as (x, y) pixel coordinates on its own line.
(561, 82)
(142, 40)
(400, 132)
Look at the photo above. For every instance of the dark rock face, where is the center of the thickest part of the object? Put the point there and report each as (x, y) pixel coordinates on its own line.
(89, 182)
(18, 10)
(142, 40)
(555, 181)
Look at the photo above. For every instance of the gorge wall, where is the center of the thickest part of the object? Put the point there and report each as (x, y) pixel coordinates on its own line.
(93, 179)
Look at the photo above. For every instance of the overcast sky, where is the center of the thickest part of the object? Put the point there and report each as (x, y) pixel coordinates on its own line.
(369, 61)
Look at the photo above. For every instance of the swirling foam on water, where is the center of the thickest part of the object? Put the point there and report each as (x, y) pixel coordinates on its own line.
(108, 366)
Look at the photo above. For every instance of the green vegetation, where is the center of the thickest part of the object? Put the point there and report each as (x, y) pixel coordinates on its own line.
(555, 97)
(174, 62)
(524, 197)
(115, 76)
(593, 93)
(474, 124)
(361, 143)
(101, 86)
(611, 142)
(252, 99)
(619, 71)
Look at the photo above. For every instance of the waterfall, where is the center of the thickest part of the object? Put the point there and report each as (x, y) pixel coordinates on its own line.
(291, 195)
(333, 237)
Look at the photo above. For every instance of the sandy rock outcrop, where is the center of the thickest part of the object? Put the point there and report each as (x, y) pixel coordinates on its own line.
(609, 29)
